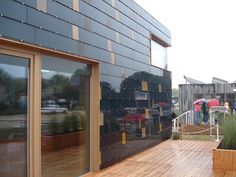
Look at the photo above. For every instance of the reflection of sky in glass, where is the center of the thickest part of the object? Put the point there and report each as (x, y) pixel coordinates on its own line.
(14, 71)
(47, 74)
(159, 55)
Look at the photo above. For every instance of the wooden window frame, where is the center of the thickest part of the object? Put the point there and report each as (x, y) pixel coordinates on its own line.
(34, 53)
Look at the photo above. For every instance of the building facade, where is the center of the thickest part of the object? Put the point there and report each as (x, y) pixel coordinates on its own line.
(83, 84)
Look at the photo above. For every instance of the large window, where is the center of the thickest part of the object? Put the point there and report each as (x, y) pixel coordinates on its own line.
(158, 55)
(14, 73)
(65, 109)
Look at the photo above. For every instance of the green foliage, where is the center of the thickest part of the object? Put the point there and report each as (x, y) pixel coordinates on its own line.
(54, 126)
(175, 136)
(72, 123)
(229, 131)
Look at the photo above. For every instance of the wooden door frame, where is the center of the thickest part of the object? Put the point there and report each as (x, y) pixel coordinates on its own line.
(34, 53)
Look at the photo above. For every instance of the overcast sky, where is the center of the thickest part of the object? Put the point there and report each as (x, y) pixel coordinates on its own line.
(203, 37)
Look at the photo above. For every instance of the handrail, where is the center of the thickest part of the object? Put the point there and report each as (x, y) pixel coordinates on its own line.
(188, 115)
(189, 121)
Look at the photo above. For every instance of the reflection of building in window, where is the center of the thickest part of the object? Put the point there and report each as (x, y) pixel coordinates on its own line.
(158, 55)
(144, 86)
(159, 88)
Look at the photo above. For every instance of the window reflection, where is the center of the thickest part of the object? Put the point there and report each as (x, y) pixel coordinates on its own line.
(13, 116)
(65, 117)
(158, 55)
(139, 111)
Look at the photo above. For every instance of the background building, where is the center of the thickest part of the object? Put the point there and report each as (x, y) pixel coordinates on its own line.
(89, 68)
(220, 89)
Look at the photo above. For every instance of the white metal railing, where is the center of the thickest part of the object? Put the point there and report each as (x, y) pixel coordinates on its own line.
(187, 118)
(184, 119)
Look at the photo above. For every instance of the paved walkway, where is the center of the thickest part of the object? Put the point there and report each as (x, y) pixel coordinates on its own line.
(172, 158)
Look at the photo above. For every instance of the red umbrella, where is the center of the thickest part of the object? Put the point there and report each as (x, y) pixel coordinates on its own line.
(199, 101)
(133, 118)
(213, 102)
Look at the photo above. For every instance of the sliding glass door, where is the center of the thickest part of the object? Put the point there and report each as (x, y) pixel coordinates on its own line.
(65, 112)
(14, 78)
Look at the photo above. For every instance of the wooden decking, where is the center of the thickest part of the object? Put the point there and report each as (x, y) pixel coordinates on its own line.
(172, 158)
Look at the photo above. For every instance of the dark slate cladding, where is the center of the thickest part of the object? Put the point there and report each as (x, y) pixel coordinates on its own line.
(31, 3)
(17, 30)
(13, 10)
(117, 34)
(67, 3)
(50, 23)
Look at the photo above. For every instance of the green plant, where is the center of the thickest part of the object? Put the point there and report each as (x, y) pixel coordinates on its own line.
(71, 123)
(74, 122)
(54, 126)
(229, 131)
(175, 136)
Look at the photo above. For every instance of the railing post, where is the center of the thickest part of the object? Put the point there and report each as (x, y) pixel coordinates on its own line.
(217, 132)
(186, 118)
(210, 123)
(178, 124)
(174, 125)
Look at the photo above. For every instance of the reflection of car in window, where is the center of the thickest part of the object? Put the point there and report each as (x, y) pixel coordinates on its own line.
(53, 108)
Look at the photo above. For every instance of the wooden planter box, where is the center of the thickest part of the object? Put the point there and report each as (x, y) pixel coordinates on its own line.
(224, 159)
(61, 141)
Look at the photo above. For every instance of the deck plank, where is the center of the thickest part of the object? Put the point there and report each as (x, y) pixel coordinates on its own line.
(172, 158)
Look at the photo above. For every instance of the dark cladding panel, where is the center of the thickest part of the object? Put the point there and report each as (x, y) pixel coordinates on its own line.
(40, 19)
(65, 2)
(112, 81)
(125, 62)
(104, 7)
(96, 53)
(140, 66)
(102, 30)
(32, 3)
(115, 82)
(143, 49)
(129, 72)
(147, 20)
(55, 41)
(92, 12)
(141, 57)
(156, 71)
(110, 69)
(154, 22)
(16, 30)
(122, 50)
(93, 39)
(142, 39)
(132, 24)
(134, 45)
(64, 13)
(13, 10)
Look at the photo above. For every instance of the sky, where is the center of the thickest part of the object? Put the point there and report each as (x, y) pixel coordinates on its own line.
(203, 37)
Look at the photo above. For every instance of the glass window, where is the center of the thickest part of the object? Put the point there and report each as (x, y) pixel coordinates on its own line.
(65, 108)
(158, 55)
(14, 74)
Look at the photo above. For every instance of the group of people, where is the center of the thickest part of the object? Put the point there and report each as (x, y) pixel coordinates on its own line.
(198, 109)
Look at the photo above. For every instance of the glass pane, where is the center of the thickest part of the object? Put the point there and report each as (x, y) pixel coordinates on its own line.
(65, 117)
(13, 116)
(159, 55)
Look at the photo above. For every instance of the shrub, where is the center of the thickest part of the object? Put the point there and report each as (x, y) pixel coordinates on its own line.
(175, 136)
(229, 131)
(71, 123)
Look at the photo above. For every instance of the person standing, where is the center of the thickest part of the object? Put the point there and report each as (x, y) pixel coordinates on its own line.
(204, 112)
(197, 110)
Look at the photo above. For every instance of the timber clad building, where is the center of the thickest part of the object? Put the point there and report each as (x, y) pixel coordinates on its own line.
(83, 84)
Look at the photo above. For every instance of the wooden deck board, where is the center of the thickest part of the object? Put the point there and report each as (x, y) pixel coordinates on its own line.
(172, 158)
